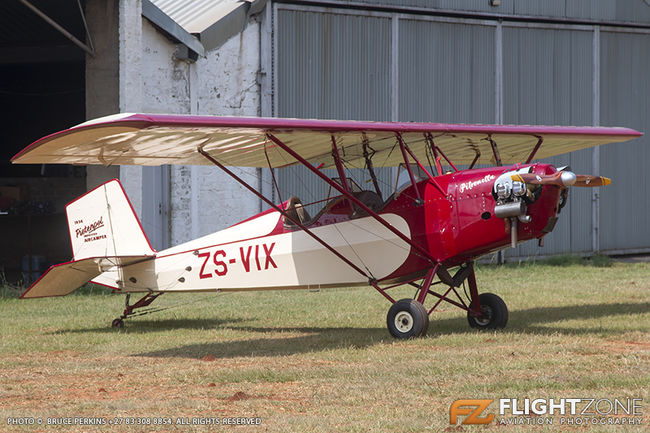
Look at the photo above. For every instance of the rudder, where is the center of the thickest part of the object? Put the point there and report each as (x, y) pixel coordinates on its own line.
(102, 223)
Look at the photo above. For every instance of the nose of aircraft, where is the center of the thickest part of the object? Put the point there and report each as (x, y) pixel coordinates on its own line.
(568, 178)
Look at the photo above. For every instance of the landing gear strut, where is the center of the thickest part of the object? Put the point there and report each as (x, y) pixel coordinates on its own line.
(408, 318)
(129, 309)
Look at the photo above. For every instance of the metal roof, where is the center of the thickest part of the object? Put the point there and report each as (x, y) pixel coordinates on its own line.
(212, 21)
(172, 29)
(196, 15)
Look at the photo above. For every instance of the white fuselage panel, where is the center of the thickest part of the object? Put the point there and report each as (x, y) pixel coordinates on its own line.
(222, 261)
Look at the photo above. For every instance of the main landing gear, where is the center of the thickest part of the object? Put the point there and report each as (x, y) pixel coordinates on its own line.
(145, 301)
(408, 318)
(494, 313)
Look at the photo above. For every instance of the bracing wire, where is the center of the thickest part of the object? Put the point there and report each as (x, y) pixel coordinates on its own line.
(158, 309)
(355, 252)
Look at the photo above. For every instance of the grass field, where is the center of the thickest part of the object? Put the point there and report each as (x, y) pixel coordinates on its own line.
(324, 361)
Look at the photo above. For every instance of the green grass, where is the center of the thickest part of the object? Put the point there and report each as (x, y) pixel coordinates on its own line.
(324, 361)
(601, 261)
(564, 260)
(598, 261)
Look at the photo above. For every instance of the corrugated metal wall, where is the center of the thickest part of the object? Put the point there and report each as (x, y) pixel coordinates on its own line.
(625, 101)
(637, 11)
(337, 63)
(331, 66)
(547, 80)
(444, 74)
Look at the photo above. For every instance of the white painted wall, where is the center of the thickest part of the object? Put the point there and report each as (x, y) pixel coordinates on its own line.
(166, 81)
(130, 85)
(227, 86)
(224, 82)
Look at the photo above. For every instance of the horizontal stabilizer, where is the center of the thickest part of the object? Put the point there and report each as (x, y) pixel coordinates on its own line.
(65, 278)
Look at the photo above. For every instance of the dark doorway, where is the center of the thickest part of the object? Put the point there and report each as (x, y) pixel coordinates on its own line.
(42, 90)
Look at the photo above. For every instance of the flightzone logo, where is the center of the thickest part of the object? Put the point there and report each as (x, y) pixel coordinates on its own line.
(542, 411)
(471, 410)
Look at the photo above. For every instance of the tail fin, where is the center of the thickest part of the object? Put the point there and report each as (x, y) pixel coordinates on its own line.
(104, 232)
(102, 223)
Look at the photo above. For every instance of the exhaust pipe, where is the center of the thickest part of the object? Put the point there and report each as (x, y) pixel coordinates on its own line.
(510, 210)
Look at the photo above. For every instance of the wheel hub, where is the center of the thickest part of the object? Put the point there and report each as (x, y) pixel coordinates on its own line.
(404, 321)
(484, 320)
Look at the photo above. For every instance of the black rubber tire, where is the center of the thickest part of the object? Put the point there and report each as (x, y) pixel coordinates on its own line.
(494, 310)
(407, 318)
(118, 323)
(425, 317)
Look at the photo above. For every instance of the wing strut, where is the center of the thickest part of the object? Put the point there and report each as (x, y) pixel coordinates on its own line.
(434, 149)
(275, 182)
(285, 214)
(437, 150)
(423, 168)
(495, 151)
(532, 154)
(340, 170)
(351, 197)
(475, 160)
(419, 200)
(368, 157)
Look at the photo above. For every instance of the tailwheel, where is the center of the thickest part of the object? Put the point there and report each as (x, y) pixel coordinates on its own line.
(495, 313)
(129, 310)
(407, 318)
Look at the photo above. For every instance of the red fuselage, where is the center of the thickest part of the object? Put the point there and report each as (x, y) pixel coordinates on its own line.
(460, 225)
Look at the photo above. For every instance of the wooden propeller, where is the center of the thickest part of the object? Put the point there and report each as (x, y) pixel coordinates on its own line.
(562, 179)
(587, 180)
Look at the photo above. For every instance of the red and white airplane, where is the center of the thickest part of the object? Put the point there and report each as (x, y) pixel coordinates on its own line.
(427, 233)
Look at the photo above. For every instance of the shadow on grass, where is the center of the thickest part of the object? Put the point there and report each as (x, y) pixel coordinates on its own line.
(529, 320)
(319, 339)
(148, 326)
